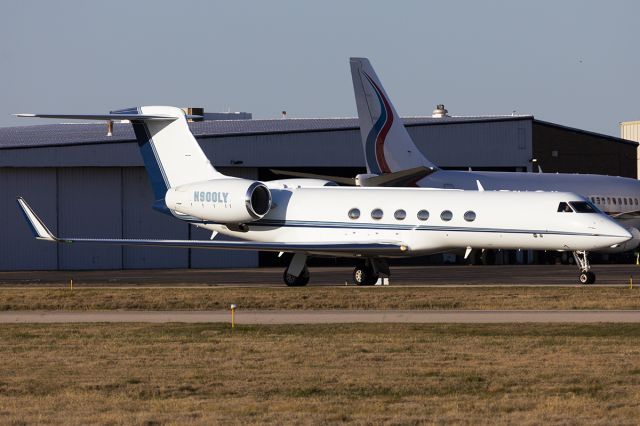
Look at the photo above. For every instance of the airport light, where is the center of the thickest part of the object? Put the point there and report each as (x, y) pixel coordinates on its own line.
(233, 315)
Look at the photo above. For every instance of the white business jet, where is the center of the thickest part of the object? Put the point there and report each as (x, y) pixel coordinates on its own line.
(371, 224)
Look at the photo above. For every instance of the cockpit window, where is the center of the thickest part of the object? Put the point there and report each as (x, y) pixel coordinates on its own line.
(583, 207)
(564, 208)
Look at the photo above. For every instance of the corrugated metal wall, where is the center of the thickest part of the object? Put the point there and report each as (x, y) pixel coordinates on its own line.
(18, 249)
(321, 149)
(499, 144)
(630, 130)
(559, 150)
(140, 221)
(89, 205)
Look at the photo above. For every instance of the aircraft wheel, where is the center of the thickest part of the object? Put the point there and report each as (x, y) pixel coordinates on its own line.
(587, 277)
(299, 281)
(364, 275)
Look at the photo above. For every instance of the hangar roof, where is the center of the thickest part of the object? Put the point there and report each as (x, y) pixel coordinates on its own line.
(89, 133)
(49, 135)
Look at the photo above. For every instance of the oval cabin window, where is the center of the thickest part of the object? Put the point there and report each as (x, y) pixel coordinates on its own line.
(423, 215)
(376, 214)
(446, 215)
(470, 216)
(354, 213)
(400, 214)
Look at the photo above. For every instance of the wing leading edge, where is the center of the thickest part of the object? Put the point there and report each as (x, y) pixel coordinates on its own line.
(41, 232)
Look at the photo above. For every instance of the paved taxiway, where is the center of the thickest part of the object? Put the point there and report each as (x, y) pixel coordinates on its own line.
(328, 276)
(322, 317)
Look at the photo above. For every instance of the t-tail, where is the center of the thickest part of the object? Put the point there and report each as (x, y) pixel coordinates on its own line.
(387, 145)
(185, 184)
(171, 155)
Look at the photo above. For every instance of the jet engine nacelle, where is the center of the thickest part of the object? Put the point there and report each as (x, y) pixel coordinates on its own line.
(226, 201)
(361, 179)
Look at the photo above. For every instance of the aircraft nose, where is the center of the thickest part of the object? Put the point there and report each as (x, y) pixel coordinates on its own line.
(617, 232)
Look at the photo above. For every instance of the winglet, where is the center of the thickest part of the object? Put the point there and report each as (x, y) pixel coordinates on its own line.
(480, 187)
(39, 229)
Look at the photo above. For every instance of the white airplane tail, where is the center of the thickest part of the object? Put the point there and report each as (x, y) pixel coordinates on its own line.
(171, 154)
(387, 145)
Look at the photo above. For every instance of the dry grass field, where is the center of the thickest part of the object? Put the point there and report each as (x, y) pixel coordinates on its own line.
(321, 298)
(360, 374)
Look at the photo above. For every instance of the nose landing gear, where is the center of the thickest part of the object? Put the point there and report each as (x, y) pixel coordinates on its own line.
(586, 276)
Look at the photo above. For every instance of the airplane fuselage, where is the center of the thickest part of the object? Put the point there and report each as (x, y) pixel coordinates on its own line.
(489, 219)
(613, 195)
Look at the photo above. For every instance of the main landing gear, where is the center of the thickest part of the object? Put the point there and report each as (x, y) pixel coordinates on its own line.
(297, 274)
(368, 272)
(586, 276)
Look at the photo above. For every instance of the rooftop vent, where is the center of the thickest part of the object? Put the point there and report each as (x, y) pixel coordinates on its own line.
(440, 112)
(194, 111)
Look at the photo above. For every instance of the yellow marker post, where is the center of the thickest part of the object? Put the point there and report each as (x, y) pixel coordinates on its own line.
(631, 283)
(71, 284)
(233, 316)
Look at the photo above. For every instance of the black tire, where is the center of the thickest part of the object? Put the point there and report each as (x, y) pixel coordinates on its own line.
(363, 275)
(587, 278)
(299, 281)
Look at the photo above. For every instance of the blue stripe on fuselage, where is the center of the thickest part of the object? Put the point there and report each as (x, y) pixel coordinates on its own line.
(390, 227)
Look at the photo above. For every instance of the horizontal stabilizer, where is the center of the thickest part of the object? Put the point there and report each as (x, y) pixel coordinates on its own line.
(41, 232)
(134, 113)
(397, 179)
(100, 116)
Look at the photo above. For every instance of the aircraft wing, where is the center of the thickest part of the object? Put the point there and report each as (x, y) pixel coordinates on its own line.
(406, 177)
(402, 178)
(41, 232)
(627, 215)
(336, 179)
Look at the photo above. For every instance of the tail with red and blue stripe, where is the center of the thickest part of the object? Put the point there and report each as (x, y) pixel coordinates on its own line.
(387, 145)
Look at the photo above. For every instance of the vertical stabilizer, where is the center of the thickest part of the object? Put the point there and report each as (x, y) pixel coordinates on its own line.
(171, 154)
(387, 145)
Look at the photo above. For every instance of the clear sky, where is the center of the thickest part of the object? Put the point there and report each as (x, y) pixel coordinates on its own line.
(571, 62)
